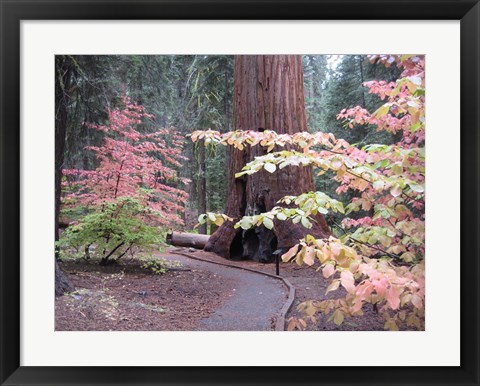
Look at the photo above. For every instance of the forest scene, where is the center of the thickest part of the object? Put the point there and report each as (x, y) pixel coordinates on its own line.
(240, 192)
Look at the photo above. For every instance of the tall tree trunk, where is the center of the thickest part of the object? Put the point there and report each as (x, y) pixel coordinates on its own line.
(362, 132)
(225, 102)
(63, 74)
(268, 95)
(362, 79)
(201, 184)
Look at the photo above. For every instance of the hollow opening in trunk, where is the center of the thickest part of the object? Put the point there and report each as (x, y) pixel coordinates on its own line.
(267, 244)
(250, 244)
(256, 244)
(236, 247)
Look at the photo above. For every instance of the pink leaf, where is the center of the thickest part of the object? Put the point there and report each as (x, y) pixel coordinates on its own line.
(392, 298)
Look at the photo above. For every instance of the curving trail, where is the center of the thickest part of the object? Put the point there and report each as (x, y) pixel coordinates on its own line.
(253, 305)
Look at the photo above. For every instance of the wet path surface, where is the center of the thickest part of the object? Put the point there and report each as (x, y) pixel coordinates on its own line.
(253, 305)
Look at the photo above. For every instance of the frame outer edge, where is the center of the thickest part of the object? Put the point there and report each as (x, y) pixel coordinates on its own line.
(470, 87)
(10, 192)
(470, 112)
(470, 192)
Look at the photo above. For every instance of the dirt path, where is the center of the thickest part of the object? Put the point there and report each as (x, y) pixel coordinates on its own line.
(308, 285)
(252, 305)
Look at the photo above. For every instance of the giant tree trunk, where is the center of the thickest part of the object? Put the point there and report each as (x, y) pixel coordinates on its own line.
(268, 95)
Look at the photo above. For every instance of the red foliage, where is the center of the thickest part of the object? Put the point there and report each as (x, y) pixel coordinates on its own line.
(132, 164)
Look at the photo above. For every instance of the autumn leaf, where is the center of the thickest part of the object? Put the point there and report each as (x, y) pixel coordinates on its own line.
(396, 190)
(291, 252)
(348, 281)
(333, 286)
(309, 256)
(328, 270)
(338, 317)
(392, 298)
(417, 301)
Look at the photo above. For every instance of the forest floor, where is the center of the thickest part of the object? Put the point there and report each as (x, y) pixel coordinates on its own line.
(193, 296)
(131, 298)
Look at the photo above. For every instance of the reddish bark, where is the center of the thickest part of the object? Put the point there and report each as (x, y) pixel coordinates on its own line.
(268, 95)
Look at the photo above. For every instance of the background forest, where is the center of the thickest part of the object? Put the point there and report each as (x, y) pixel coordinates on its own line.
(195, 93)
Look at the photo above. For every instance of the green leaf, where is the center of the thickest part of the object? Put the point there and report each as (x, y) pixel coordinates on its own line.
(306, 222)
(381, 164)
(281, 216)
(322, 210)
(267, 223)
(245, 223)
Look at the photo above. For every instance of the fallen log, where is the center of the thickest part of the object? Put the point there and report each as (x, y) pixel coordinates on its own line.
(182, 239)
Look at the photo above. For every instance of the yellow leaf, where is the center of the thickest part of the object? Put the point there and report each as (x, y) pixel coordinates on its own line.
(291, 252)
(333, 286)
(309, 257)
(382, 110)
(338, 317)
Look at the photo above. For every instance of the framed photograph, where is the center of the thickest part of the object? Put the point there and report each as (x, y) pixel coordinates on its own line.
(129, 125)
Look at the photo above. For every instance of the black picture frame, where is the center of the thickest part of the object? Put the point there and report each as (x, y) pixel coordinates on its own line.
(13, 11)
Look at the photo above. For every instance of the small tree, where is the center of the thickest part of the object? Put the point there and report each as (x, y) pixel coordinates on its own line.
(131, 193)
(378, 258)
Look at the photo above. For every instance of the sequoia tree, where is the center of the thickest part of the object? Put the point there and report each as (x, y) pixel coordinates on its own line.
(268, 95)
